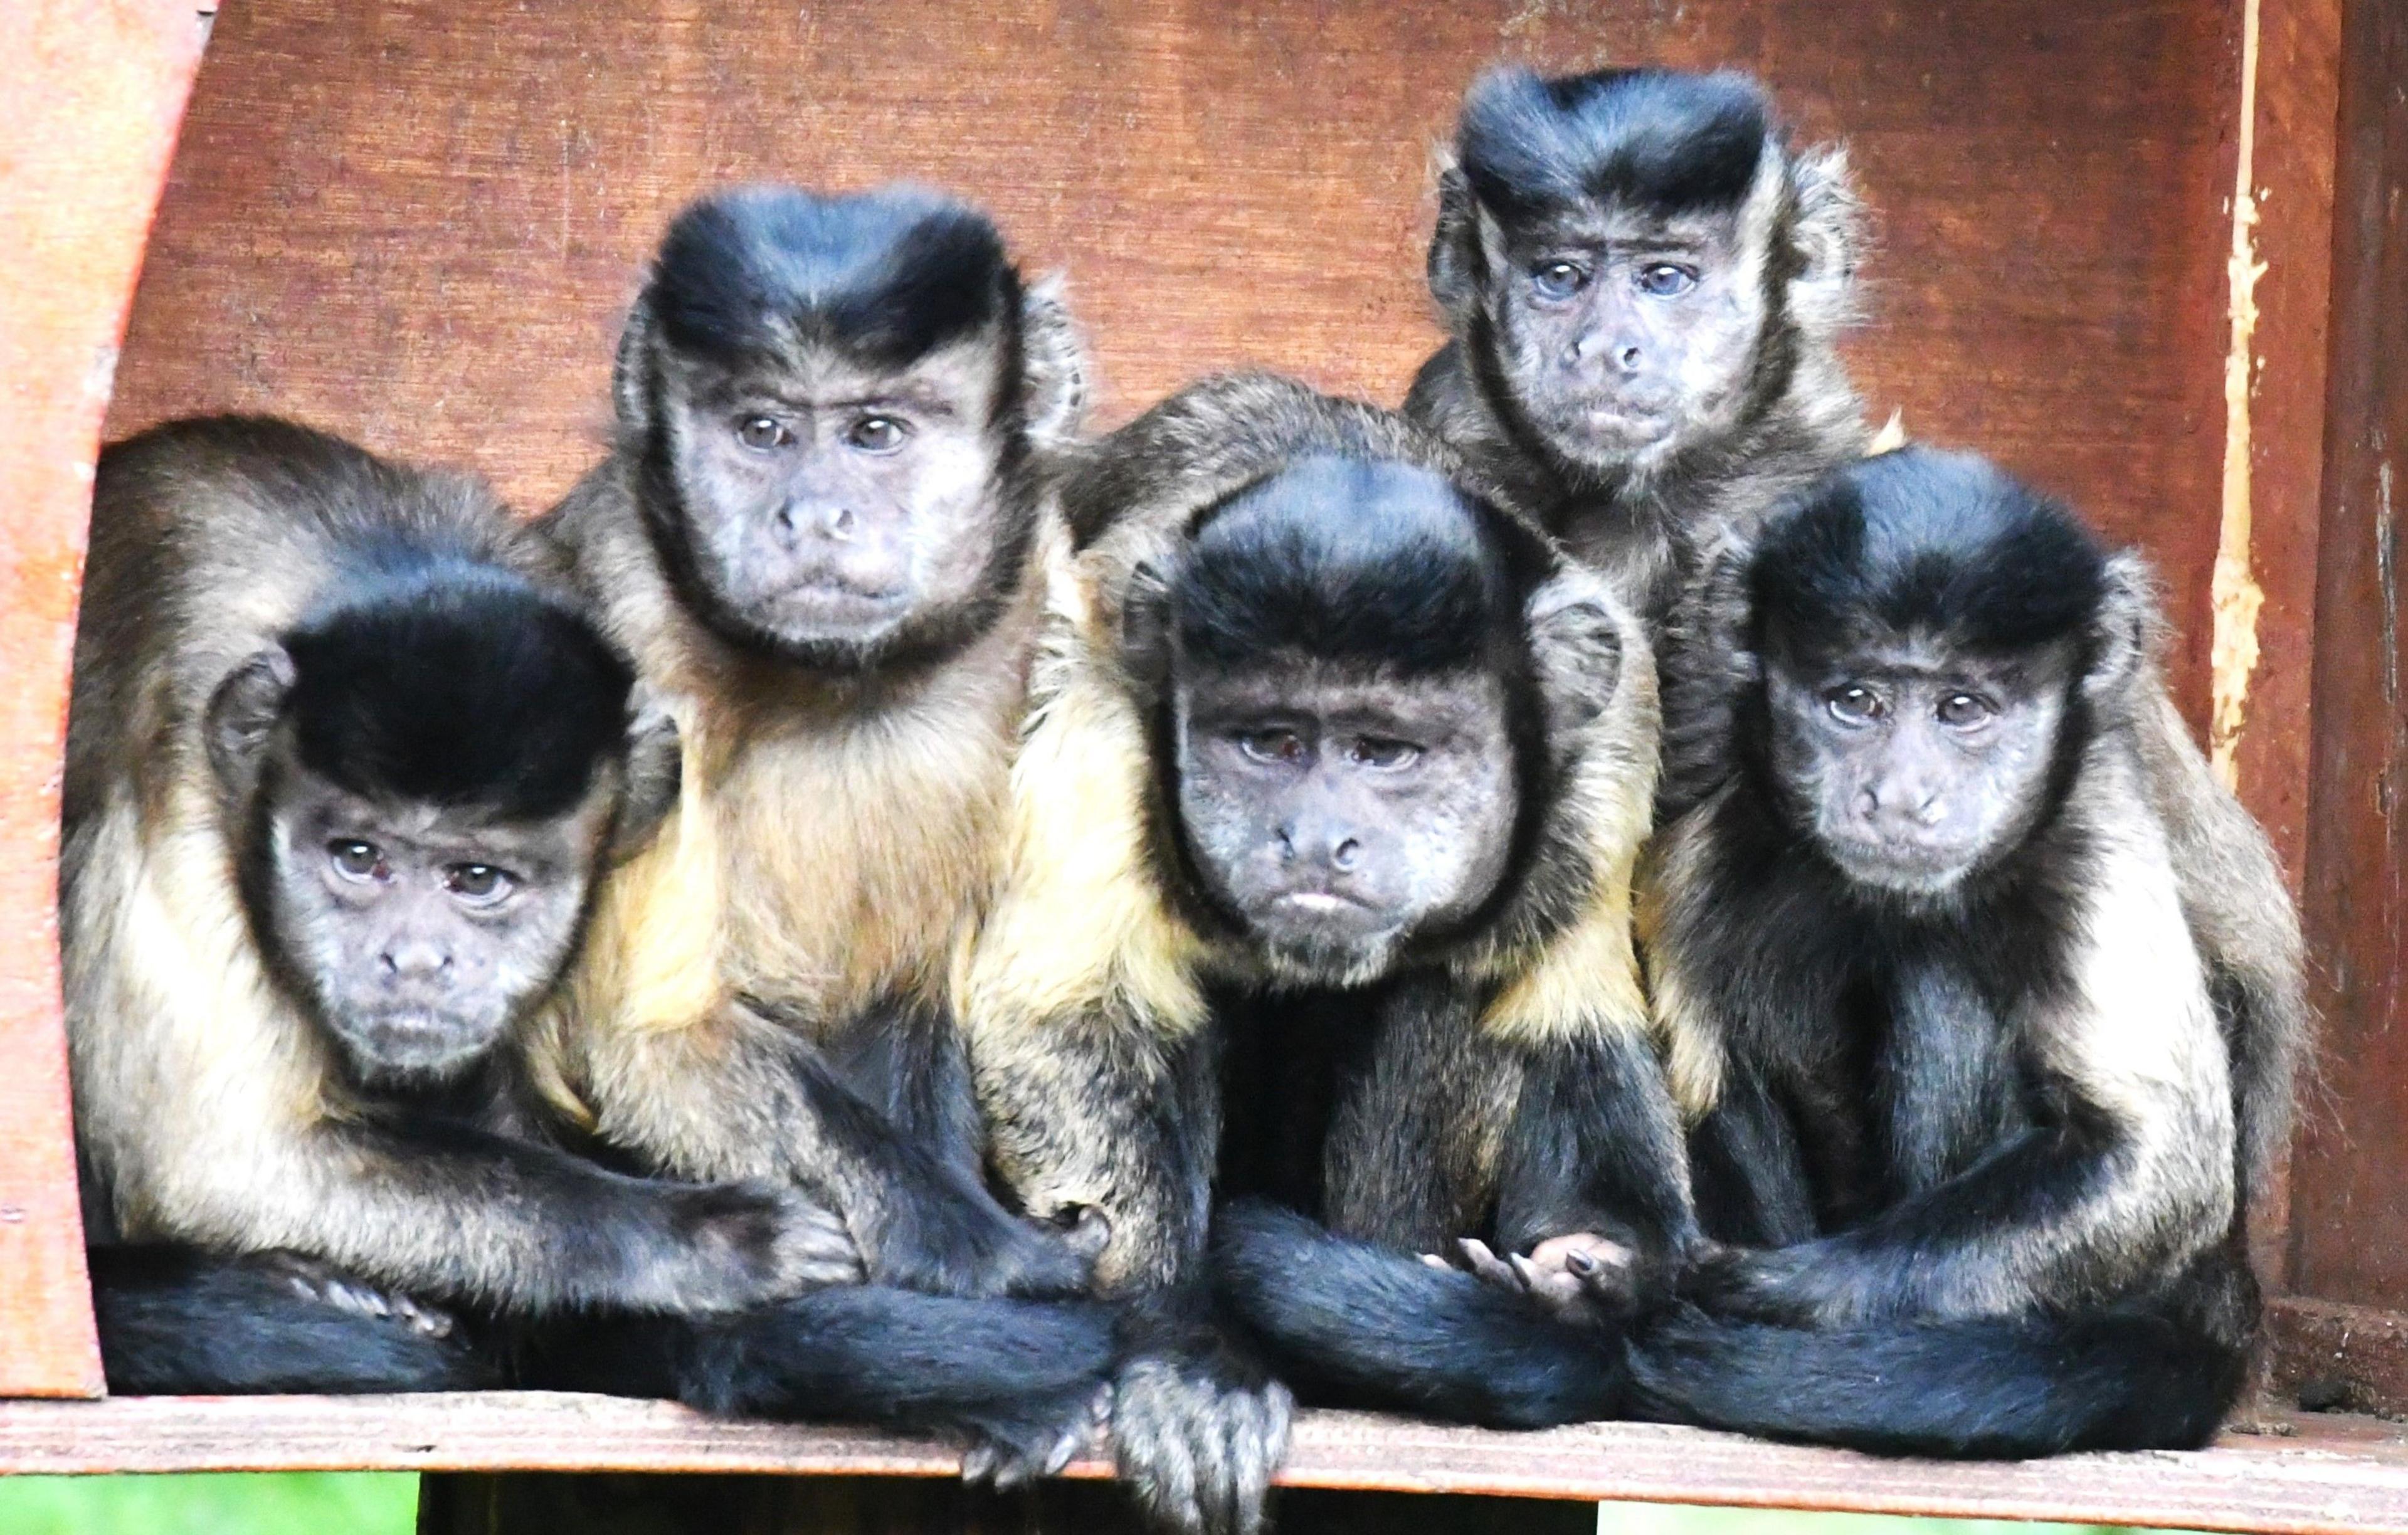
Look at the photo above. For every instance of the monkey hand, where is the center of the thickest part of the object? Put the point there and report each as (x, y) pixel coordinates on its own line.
(1578, 1277)
(1016, 1443)
(752, 1243)
(1197, 1437)
(314, 1280)
(971, 1245)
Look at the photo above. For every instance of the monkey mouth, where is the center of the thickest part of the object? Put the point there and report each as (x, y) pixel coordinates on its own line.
(401, 1044)
(1906, 869)
(824, 603)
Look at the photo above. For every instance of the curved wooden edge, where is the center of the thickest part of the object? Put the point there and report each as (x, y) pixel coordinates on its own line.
(95, 93)
(2323, 1476)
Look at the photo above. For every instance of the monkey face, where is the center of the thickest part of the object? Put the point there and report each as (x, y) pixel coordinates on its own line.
(1339, 816)
(1624, 336)
(1913, 765)
(417, 933)
(834, 514)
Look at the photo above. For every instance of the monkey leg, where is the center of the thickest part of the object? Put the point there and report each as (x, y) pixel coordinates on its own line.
(175, 1321)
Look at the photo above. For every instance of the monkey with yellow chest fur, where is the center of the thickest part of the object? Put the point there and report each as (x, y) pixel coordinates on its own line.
(815, 536)
(1320, 891)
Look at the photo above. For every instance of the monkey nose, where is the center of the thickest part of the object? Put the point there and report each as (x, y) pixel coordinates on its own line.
(1628, 357)
(1344, 855)
(408, 961)
(842, 524)
(1288, 844)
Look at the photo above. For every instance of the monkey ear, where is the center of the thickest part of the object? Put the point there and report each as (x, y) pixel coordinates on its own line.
(1577, 649)
(631, 382)
(656, 769)
(1055, 360)
(1455, 268)
(1829, 234)
(242, 715)
(2125, 631)
(1145, 628)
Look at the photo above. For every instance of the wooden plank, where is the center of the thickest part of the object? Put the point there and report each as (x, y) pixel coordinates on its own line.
(94, 94)
(2330, 1473)
(2328, 1355)
(418, 221)
(2350, 1212)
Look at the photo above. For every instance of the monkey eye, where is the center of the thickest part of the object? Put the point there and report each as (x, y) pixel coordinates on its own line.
(1381, 751)
(1284, 747)
(479, 884)
(1854, 704)
(1964, 710)
(358, 861)
(762, 434)
(1665, 280)
(1558, 279)
(877, 433)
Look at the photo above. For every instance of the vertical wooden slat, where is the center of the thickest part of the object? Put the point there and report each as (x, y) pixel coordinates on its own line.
(2282, 295)
(94, 92)
(2350, 1188)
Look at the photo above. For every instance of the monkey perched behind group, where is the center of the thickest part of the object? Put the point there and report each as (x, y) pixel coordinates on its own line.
(877, 907)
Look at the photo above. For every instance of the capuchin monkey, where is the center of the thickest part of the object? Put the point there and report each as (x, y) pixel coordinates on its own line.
(1325, 825)
(816, 534)
(343, 759)
(1645, 286)
(1997, 1112)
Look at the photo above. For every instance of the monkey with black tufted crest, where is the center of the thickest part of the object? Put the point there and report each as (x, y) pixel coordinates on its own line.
(343, 760)
(817, 536)
(1645, 285)
(2001, 1116)
(1325, 820)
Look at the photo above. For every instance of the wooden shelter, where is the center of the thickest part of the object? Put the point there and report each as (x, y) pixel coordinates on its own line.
(2151, 253)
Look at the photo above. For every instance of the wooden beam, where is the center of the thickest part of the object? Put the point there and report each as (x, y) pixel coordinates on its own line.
(2318, 1475)
(95, 96)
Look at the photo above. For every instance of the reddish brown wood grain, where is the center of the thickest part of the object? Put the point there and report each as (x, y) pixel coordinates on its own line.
(2350, 1173)
(95, 93)
(2329, 1475)
(418, 221)
(2352, 1357)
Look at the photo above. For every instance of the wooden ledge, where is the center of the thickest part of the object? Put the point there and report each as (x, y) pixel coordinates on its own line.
(2327, 1473)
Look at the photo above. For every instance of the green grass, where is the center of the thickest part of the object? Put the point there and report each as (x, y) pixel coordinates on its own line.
(1673, 1519)
(280, 1504)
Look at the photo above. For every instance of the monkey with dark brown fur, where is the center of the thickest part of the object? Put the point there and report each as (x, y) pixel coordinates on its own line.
(1998, 1115)
(1323, 832)
(1645, 285)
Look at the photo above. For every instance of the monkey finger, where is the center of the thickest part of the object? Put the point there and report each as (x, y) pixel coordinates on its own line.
(979, 1462)
(1486, 1264)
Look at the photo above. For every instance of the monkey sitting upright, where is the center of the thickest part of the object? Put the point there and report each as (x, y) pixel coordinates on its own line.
(1645, 286)
(1323, 729)
(1924, 956)
(815, 535)
(343, 759)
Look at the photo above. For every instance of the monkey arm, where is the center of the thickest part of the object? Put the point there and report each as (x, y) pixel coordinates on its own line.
(1595, 1146)
(2126, 1170)
(743, 1094)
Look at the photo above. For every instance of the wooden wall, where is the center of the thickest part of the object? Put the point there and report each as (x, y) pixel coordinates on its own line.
(418, 221)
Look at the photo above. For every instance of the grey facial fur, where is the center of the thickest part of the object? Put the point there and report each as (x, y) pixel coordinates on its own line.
(1341, 815)
(1915, 766)
(418, 932)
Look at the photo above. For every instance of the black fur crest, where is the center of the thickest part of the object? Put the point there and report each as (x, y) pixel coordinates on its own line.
(1661, 139)
(884, 276)
(446, 679)
(2004, 568)
(1379, 563)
